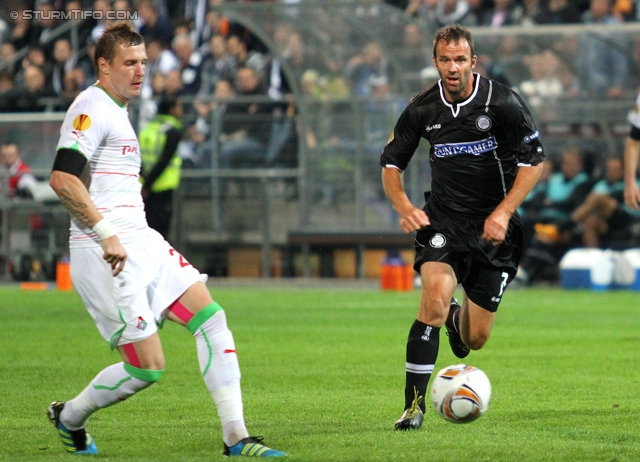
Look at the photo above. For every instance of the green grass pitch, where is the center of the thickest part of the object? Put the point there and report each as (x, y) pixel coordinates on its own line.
(323, 378)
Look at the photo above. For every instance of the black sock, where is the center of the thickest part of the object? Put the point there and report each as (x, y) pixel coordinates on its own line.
(422, 352)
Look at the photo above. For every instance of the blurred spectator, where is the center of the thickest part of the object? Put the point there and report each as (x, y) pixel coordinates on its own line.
(423, 11)
(559, 12)
(381, 113)
(65, 61)
(546, 82)
(20, 177)
(86, 63)
(475, 16)
(370, 62)
(7, 52)
(198, 147)
(183, 26)
(553, 235)
(623, 9)
(450, 12)
(189, 62)
(72, 84)
(173, 82)
(250, 127)
(35, 57)
(601, 59)
(83, 26)
(413, 54)
(196, 13)
(217, 65)
(122, 5)
(21, 33)
(6, 91)
(5, 30)
(276, 80)
(154, 23)
(531, 11)
(27, 97)
(102, 6)
(215, 24)
(161, 165)
(159, 60)
(245, 58)
(44, 24)
(503, 13)
(6, 82)
(603, 215)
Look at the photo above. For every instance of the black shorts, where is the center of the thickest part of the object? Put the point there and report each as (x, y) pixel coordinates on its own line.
(620, 219)
(483, 270)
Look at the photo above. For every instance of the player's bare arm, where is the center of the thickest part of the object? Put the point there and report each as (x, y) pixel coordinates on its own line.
(75, 197)
(631, 155)
(411, 217)
(496, 224)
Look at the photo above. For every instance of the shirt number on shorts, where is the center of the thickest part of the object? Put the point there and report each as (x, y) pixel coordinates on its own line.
(505, 278)
(183, 261)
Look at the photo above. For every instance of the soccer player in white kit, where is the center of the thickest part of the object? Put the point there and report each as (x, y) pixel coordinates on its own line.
(631, 155)
(128, 276)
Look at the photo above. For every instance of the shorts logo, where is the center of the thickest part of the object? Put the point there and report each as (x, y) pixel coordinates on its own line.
(142, 324)
(437, 241)
(483, 123)
(82, 122)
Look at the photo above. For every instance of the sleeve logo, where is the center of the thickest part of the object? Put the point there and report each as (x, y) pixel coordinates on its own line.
(82, 122)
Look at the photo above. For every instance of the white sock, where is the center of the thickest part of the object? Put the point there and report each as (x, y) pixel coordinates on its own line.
(221, 373)
(110, 386)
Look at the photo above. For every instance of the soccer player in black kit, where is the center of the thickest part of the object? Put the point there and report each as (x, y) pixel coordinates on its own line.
(485, 157)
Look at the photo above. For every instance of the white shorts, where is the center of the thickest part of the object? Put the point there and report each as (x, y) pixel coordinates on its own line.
(129, 307)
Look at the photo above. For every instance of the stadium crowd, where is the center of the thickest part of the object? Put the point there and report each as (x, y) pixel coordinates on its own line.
(196, 53)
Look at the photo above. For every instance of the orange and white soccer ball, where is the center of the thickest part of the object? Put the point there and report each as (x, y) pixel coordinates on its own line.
(460, 393)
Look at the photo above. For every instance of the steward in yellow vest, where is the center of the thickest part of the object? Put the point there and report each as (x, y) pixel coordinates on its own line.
(161, 164)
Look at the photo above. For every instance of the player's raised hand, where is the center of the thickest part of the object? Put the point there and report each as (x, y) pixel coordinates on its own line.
(413, 219)
(632, 195)
(495, 227)
(114, 253)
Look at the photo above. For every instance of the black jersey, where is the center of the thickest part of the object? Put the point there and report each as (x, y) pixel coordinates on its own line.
(476, 144)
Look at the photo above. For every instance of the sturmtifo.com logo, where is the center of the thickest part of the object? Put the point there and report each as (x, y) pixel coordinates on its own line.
(75, 15)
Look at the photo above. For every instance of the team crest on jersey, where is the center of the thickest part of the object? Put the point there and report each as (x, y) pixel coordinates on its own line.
(142, 324)
(82, 122)
(483, 123)
(437, 241)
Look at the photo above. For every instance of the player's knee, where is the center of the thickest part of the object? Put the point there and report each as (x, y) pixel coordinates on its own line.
(145, 375)
(211, 318)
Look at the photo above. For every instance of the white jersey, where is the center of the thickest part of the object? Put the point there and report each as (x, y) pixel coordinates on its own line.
(634, 117)
(98, 127)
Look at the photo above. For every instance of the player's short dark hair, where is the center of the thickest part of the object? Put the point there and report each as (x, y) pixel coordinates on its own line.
(120, 33)
(167, 102)
(453, 33)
